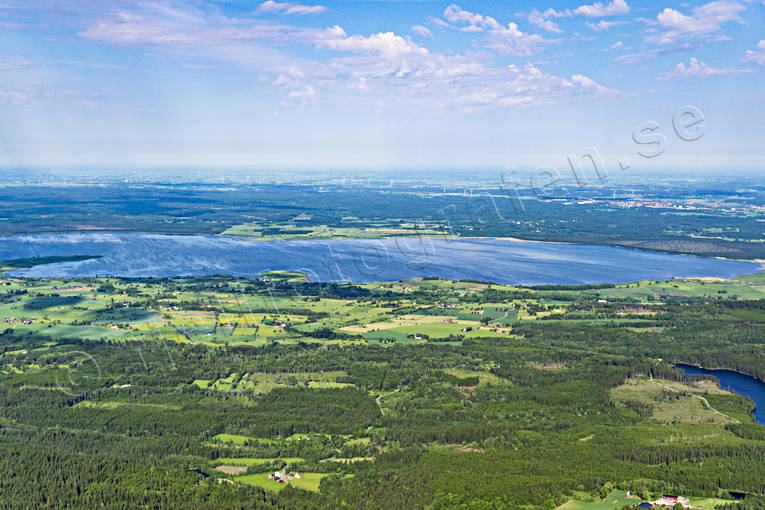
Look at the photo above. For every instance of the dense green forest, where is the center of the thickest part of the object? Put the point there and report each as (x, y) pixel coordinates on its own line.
(187, 392)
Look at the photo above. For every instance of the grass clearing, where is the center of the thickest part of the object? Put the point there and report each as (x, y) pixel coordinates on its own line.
(671, 401)
(231, 470)
(256, 461)
(308, 481)
(615, 501)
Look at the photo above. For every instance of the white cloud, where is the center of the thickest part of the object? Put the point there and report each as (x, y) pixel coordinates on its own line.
(14, 64)
(634, 58)
(511, 41)
(290, 78)
(134, 28)
(699, 69)
(12, 96)
(528, 85)
(602, 25)
(704, 19)
(590, 85)
(216, 36)
(543, 19)
(508, 39)
(200, 66)
(389, 63)
(304, 94)
(41, 95)
(538, 18)
(387, 66)
(438, 22)
(476, 22)
(757, 56)
(386, 44)
(552, 13)
(290, 8)
(423, 31)
(598, 9)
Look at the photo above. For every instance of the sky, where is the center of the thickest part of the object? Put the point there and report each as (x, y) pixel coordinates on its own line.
(381, 85)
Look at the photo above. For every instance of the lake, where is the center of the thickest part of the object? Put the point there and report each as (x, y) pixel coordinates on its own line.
(502, 261)
(740, 383)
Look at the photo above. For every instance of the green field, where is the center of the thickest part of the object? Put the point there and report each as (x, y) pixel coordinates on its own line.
(296, 232)
(251, 461)
(618, 499)
(615, 500)
(309, 481)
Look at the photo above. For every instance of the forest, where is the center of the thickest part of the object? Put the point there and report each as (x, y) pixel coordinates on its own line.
(428, 393)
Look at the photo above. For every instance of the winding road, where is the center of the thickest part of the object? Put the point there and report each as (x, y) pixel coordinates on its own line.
(382, 411)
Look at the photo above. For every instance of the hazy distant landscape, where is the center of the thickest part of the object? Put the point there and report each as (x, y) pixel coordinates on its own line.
(703, 216)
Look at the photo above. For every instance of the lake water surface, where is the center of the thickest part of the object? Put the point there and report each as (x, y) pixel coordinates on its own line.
(740, 383)
(509, 262)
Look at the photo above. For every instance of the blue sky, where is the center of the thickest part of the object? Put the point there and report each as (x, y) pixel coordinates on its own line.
(377, 85)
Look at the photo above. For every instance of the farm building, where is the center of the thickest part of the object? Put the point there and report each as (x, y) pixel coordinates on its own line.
(282, 476)
(670, 501)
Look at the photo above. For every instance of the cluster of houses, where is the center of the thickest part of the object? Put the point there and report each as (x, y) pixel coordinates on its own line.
(498, 327)
(494, 325)
(282, 476)
(671, 501)
(23, 321)
(124, 304)
(666, 501)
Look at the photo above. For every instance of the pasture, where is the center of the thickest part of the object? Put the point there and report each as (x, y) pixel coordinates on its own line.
(308, 481)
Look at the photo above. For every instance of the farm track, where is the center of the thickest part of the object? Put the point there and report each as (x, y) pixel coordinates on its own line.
(704, 400)
(377, 400)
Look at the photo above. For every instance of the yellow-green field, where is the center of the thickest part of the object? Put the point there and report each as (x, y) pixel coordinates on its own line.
(617, 499)
(296, 232)
(253, 461)
(308, 481)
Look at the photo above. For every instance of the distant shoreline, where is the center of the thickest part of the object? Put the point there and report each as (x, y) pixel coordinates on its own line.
(430, 235)
(716, 369)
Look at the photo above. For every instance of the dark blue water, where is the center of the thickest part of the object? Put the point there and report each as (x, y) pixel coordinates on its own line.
(510, 262)
(740, 383)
